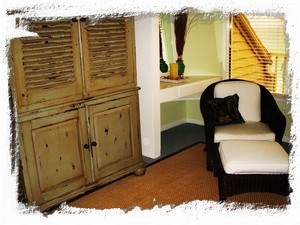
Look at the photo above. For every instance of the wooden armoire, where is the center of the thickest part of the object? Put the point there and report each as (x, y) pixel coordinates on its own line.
(74, 86)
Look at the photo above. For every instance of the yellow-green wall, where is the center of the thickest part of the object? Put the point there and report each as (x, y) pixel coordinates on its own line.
(200, 57)
(200, 50)
(193, 110)
(200, 53)
(180, 110)
(172, 111)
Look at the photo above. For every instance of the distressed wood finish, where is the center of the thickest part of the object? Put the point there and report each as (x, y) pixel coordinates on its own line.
(47, 68)
(53, 156)
(77, 103)
(115, 134)
(108, 54)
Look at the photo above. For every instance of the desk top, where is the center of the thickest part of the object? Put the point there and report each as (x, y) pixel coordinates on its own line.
(192, 85)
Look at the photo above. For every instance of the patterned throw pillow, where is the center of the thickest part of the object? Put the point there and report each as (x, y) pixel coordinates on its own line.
(226, 110)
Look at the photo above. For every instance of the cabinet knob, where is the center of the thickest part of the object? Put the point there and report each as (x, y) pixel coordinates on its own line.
(87, 146)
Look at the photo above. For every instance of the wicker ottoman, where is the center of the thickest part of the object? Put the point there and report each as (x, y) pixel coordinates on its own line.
(251, 166)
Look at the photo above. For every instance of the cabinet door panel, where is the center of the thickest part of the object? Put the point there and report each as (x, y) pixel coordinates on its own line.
(113, 133)
(57, 153)
(114, 129)
(55, 158)
(108, 54)
(47, 68)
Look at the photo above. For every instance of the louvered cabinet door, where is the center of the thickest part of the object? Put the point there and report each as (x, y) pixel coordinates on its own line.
(108, 55)
(115, 137)
(56, 166)
(47, 68)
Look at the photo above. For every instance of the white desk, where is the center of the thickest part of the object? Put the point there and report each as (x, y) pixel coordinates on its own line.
(195, 84)
(151, 97)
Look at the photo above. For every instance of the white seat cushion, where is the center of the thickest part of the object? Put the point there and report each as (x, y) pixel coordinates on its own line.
(244, 131)
(249, 97)
(253, 157)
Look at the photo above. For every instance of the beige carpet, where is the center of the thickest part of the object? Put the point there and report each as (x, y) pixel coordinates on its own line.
(178, 179)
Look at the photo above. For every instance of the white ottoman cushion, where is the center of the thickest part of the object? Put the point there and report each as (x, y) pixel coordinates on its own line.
(249, 97)
(244, 131)
(253, 157)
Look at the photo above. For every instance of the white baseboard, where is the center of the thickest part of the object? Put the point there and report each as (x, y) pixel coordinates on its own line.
(173, 124)
(198, 122)
(179, 122)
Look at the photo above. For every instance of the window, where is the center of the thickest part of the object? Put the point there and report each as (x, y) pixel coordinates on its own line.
(258, 51)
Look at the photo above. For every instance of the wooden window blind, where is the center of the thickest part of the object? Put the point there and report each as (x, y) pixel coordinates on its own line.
(258, 51)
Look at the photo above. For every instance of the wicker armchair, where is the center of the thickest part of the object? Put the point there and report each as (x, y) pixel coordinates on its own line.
(270, 115)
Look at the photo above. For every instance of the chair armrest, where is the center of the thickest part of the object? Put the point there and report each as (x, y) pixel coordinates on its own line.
(208, 113)
(271, 114)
